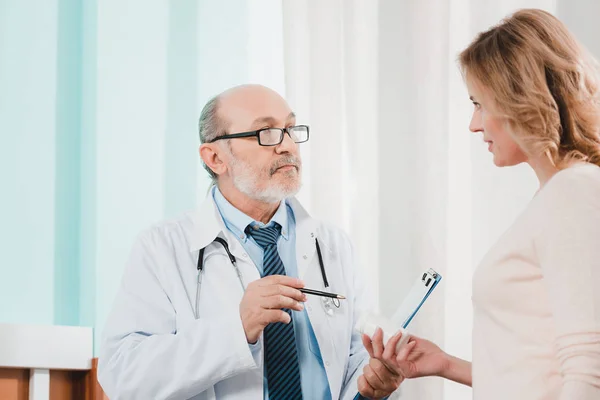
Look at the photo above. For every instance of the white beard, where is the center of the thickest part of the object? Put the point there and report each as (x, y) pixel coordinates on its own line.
(246, 179)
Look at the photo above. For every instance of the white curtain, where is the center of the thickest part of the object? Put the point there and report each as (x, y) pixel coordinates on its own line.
(391, 159)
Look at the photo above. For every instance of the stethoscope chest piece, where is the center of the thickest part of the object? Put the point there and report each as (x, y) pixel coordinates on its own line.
(329, 305)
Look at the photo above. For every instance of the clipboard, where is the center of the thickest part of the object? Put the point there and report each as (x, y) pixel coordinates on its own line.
(368, 322)
(417, 296)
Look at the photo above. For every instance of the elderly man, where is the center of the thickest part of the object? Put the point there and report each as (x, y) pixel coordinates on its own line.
(211, 305)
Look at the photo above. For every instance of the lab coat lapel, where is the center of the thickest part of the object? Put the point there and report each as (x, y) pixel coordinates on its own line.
(306, 234)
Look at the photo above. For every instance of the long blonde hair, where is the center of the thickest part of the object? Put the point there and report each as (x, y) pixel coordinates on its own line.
(543, 81)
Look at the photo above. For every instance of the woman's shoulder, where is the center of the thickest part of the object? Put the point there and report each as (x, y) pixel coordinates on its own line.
(577, 185)
(580, 177)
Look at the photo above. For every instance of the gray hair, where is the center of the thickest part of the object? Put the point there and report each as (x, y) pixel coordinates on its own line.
(210, 126)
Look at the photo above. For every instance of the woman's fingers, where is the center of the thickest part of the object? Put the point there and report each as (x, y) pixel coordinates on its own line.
(405, 352)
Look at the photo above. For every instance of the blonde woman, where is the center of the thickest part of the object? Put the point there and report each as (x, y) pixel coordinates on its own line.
(536, 294)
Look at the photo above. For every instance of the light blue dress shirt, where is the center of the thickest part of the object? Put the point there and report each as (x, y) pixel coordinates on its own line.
(312, 371)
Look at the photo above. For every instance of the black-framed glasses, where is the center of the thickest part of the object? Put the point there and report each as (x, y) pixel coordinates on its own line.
(272, 136)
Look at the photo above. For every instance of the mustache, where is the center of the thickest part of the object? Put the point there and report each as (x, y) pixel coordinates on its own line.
(283, 161)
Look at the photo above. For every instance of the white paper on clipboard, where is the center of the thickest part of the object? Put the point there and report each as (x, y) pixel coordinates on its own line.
(416, 297)
(368, 322)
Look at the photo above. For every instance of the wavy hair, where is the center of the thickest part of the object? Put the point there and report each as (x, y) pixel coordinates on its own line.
(543, 81)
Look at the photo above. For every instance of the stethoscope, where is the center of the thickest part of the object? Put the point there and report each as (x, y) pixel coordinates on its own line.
(328, 304)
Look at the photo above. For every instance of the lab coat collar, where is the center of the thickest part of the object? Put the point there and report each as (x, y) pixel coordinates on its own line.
(208, 224)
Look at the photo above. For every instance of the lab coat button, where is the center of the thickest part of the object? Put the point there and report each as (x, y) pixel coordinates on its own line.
(327, 363)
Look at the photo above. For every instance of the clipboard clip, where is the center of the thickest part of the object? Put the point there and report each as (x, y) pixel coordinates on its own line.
(429, 277)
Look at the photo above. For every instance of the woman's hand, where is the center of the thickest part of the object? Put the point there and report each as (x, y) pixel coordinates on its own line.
(419, 357)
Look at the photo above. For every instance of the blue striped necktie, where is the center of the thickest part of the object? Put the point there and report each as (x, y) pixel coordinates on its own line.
(281, 356)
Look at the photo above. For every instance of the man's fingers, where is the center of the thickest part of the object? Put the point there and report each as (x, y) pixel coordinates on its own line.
(367, 343)
(372, 377)
(364, 388)
(383, 371)
(374, 386)
(380, 394)
(283, 290)
(273, 316)
(281, 280)
(279, 301)
(377, 342)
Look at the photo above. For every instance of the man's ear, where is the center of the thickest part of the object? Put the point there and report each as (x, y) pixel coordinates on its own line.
(211, 155)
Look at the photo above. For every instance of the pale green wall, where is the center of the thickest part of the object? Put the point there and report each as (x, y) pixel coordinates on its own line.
(99, 103)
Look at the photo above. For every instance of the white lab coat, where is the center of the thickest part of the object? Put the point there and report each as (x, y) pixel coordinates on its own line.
(153, 347)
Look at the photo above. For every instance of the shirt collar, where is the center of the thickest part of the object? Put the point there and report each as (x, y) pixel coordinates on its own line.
(236, 221)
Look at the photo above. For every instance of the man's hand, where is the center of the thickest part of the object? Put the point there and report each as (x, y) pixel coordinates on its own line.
(263, 302)
(377, 381)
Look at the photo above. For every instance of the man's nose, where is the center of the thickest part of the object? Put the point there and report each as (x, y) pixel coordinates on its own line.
(287, 144)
